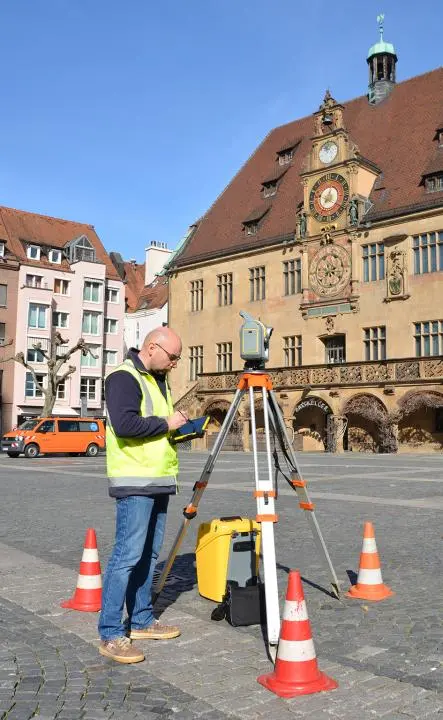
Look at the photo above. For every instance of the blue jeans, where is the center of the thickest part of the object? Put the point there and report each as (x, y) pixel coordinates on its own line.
(140, 528)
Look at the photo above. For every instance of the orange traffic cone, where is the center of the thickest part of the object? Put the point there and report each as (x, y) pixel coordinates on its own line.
(370, 584)
(296, 671)
(88, 593)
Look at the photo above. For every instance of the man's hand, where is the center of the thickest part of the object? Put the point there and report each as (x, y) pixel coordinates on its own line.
(176, 420)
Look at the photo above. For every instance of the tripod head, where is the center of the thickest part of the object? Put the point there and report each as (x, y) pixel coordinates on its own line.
(254, 343)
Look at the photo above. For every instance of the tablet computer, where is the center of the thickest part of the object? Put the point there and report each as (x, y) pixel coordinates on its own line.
(192, 429)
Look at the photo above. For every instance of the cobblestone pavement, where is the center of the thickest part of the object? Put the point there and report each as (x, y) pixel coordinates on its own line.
(387, 657)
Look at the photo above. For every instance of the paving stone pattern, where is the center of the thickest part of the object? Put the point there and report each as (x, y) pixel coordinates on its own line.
(387, 657)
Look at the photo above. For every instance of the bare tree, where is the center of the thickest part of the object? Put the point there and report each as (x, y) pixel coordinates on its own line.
(54, 364)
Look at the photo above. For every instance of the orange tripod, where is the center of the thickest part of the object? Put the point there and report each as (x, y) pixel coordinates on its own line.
(265, 493)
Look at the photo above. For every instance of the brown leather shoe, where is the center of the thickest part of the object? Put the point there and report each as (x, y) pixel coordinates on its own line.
(156, 631)
(121, 650)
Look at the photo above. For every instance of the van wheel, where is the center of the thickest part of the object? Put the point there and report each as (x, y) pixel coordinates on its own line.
(13, 454)
(92, 450)
(31, 450)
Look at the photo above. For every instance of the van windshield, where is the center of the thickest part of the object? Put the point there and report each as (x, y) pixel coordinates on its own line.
(29, 424)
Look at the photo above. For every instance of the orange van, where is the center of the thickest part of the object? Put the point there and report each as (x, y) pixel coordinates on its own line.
(83, 436)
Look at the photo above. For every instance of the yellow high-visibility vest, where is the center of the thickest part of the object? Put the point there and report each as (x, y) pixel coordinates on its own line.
(143, 463)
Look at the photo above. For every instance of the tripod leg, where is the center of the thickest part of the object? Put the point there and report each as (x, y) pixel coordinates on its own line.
(300, 488)
(264, 491)
(190, 511)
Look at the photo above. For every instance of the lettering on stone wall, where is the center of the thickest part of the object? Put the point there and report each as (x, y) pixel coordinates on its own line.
(313, 402)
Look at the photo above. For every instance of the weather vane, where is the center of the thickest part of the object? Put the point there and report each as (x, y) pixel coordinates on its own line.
(380, 20)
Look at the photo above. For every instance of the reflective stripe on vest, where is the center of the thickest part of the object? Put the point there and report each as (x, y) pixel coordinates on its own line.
(142, 462)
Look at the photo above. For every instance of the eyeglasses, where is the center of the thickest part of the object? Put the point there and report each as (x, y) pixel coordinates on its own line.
(171, 356)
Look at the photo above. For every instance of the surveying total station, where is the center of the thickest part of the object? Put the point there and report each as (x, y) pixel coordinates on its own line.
(254, 350)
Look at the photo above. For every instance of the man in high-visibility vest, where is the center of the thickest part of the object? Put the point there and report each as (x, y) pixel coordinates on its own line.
(142, 469)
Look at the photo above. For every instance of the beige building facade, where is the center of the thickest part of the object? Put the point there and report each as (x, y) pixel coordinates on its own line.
(332, 233)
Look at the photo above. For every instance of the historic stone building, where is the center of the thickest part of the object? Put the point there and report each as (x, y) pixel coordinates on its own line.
(332, 233)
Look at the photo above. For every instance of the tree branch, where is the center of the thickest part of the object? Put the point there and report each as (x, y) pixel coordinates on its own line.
(68, 372)
(20, 358)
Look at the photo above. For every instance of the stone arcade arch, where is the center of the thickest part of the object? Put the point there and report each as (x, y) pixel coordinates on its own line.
(310, 422)
(369, 425)
(217, 409)
(420, 420)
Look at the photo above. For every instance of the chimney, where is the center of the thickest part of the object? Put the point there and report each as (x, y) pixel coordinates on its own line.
(157, 255)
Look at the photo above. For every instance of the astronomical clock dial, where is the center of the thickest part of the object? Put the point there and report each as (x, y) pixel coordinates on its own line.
(328, 152)
(328, 197)
(330, 270)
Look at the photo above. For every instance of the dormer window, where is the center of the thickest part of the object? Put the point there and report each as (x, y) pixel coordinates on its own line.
(270, 184)
(286, 157)
(81, 249)
(33, 252)
(251, 227)
(55, 256)
(269, 188)
(286, 153)
(2, 249)
(252, 223)
(435, 183)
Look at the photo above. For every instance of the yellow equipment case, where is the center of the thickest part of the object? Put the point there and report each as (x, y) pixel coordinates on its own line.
(227, 548)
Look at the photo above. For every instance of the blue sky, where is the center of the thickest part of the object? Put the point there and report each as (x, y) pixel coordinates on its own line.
(133, 116)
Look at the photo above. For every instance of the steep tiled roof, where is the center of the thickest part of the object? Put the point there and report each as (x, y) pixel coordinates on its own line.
(135, 282)
(155, 295)
(140, 296)
(396, 135)
(19, 227)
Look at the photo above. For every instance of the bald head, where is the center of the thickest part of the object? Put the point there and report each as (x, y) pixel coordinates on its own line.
(161, 350)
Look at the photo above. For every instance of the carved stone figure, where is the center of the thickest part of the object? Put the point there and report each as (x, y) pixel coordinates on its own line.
(302, 224)
(353, 212)
(396, 272)
(330, 325)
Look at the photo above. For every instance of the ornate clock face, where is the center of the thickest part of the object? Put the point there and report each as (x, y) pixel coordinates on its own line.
(328, 197)
(328, 152)
(330, 270)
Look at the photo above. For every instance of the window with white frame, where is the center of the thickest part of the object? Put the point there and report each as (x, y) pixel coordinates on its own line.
(34, 281)
(61, 287)
(110, 357)
(61, 390)
(2, 333)
(224, 357)
(111, 326)
(91, 291)
(33, 252)
(428, 337)
(428, 252)
(91, 323)
(292, 348)
(91, 359)
(88, 388)
(81, 250)
(374, 341)
(3, 295)
(195, 361)
(32, 390)
(34, 356)
(2, 249)
(55, 256)
(60, 319)
(373, 262)
(112, 295)
(37, 316)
